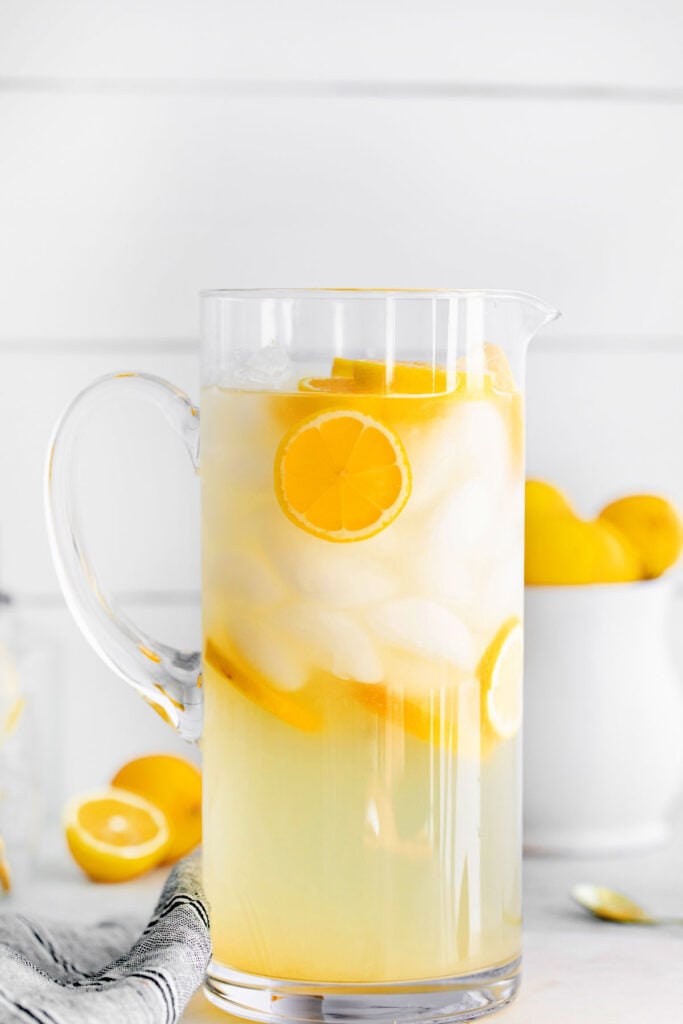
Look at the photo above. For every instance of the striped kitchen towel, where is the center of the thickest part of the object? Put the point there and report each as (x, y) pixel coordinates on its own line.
(108, 973)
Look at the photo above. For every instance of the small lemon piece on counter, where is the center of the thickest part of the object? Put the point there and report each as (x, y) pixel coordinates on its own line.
(564, 550)
(114, 835)
(653, 527)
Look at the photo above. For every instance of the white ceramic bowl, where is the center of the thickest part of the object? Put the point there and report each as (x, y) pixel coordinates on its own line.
(603, 739)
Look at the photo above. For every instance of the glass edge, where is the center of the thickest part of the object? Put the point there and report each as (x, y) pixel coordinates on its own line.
(377, 293)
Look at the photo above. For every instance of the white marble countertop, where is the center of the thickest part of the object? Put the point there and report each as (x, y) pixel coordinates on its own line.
(575, 968)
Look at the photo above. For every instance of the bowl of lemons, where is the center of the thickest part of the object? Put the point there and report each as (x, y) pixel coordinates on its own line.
(603, 749)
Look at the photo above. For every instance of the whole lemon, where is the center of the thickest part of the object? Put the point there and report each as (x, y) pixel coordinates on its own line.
(653, 527)
(544, 499)
(175, 786)
(564, 550)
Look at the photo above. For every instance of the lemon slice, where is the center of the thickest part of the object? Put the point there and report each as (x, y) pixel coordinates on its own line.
(342, 367)
(330, 385)
(115, 835)
(5, 873)
(290, 708)
(500, 675)
(342, 475)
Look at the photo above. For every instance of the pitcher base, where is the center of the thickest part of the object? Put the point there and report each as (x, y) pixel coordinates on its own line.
(441, 1000)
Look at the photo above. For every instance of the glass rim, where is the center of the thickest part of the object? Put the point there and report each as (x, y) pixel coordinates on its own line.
(375, 293)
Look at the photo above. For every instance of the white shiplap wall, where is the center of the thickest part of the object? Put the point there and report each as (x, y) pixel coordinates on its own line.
(150, 149)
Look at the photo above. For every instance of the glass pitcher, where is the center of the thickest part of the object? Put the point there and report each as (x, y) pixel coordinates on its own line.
(362, 476)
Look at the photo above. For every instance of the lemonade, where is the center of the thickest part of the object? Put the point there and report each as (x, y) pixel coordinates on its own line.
(362, 602)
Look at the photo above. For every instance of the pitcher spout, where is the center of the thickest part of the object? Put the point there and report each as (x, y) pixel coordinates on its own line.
(522, 315)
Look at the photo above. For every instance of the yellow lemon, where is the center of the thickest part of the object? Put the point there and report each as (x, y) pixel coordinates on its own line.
(544, 499)
(653, 527)
(114, 835)
(342, 367)
(564, 550)
(500, 675)
(175, 786)
(342, 475)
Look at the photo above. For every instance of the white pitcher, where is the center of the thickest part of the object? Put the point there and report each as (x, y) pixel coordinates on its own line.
(603, 744)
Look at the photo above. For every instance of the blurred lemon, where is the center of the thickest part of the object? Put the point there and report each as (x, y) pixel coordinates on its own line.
(652, 526)
(566, 550)
(5, 873)
(543, 499)
(174, 785)
(114, 835)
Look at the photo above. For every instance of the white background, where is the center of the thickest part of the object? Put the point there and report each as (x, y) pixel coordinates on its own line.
(150, 149)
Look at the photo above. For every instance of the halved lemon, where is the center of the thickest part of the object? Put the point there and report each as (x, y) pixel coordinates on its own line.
(500, 675)
(115, 835)
(342, 475)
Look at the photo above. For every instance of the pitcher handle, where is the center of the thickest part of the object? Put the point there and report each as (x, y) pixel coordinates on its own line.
(168, 679)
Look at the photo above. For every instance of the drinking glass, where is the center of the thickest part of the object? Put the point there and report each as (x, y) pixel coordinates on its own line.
(362, 477)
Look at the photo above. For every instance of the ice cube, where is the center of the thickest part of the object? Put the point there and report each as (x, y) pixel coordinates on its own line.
(461, 532)
(423, 627)
(239, 439)
(269, 366)
(474, 532)
(417, 676)
(338, 575)
(454, 581)
(267, 649)
(244, 573)
(471, 441)
(502, 594)
(465, 517)
(336, 641)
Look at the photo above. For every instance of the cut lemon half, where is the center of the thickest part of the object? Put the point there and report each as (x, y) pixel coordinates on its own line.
(500, 675)
(115, 835)
(342, 475)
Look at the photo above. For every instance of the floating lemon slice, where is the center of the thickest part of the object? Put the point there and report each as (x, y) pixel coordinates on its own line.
(376, 377)
(291, 708)
(330, 385)
(342, 475)
(114, 835)
(371, 377)
(500, 674)
(342, 367)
